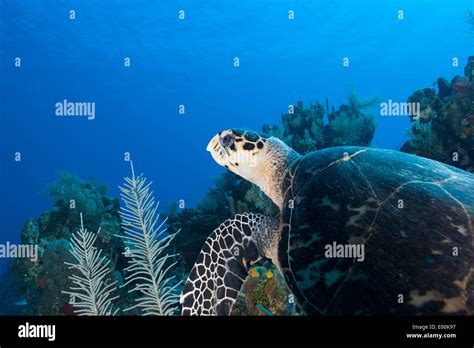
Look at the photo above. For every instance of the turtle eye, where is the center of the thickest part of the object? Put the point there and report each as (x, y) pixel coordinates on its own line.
(227, 140)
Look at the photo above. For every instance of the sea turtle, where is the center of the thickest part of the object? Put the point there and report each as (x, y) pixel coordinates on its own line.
(362, 231)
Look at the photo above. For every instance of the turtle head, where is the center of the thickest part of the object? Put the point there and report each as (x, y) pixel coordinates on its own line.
(238, 150)
(255, 157)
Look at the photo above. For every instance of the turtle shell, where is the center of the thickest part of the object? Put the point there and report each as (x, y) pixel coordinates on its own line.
(372, 231)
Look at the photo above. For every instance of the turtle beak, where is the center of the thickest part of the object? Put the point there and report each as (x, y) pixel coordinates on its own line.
(213, 144)
(217, 150)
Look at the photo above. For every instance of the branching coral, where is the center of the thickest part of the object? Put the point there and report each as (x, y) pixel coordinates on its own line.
(302, 127)
(146, 241)
(445, 128)
(305, 131)
(352, 124)
(423, 137)
(91, 293)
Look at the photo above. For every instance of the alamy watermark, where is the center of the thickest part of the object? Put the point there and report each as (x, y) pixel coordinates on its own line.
(20, 251)
(345, 251)
(28, 330)
(393, 108)
(80, 109)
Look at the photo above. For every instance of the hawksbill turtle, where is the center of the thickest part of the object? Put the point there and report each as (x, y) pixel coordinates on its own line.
(411, 217)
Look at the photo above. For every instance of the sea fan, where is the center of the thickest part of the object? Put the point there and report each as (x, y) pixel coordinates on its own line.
(90, 293)
(146, 241)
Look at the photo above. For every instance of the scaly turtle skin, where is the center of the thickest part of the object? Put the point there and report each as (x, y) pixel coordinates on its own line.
(362, 231)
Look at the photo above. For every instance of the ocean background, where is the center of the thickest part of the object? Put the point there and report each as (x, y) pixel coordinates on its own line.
(190, 62)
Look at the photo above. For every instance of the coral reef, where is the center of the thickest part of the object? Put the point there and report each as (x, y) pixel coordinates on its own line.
(10, 302)
(302, 127)
(444, 130)
(41, 283)
(305, 129)
(264, 293)
(353, 124)
(69, 191)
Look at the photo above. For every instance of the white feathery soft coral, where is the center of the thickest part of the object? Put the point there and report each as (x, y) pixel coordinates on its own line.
(90, 293)
(146, 240)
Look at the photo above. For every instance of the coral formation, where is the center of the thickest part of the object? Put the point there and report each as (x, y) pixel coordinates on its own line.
(82, 195)
(444, 130)
(353, 124)
(41, 283)
(305, 129)
(146, 240)
(92, 284)
(302, 127)
(264, 293)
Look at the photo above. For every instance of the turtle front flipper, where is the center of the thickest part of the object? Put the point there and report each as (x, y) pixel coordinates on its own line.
(222, 266)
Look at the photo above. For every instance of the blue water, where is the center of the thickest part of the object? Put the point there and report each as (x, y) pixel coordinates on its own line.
(190, 62)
